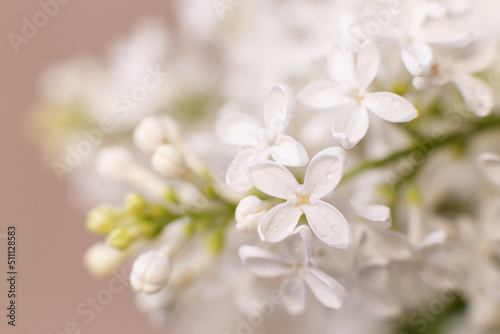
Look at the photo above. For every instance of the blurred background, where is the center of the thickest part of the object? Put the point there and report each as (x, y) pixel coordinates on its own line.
(52, 239)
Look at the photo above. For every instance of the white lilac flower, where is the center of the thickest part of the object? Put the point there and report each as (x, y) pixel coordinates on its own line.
(428, 261)
(241, 130)
(297, 270)
(351, 75)
(388, 243)
(416, 34)
(366, 283)
(322, 176)
(457, 66)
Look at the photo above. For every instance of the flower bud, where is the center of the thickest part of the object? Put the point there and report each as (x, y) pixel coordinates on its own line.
(154, 131)
(168, 162)
(135, 203)
(113, 162)
(121, 237)
(101, 219)
(102, 259)
(249, 213)
(150, 272)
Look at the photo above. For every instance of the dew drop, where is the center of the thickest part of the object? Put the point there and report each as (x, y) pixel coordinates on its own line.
(329, 175)
(395, 103)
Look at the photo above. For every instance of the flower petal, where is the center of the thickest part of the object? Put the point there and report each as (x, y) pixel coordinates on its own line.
(328, 224)
(326, 289)
(341, 66)
(237, 177)
(477, 95)
(390, 106)
(476, 56)
(297, 246)
(289, 152)
(321, 96)
(279, 222)
(367, 65)
(350, 126)
(325, 171)
(443, 33)
(417, 58)
(489, 164)
(377, 213)
(278, 108)
(262, 262)
(294, 293)
(379, 302)
(412, 15)
(391, 244)
(273, 179)
(238, 129)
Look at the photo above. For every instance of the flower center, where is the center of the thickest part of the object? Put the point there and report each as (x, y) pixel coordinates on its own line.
(303, 199)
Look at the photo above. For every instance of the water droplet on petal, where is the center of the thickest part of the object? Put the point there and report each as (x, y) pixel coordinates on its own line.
(329, 175)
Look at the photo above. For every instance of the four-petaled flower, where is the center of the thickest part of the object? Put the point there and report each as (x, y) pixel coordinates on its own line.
(298, 271)
(322, 176)
(351, 75)
(241, 130)
(415, 35)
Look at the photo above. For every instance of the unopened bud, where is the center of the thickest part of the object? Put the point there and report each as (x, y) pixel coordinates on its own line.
(102, 259)
(150, 272)
(101, 219)
(168, 162)
(249, 213)
(154, 131)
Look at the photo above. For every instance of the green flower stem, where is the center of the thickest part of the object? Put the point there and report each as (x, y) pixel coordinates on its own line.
(461, 135)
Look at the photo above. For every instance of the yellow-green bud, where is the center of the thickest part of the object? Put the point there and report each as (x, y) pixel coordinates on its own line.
(121, 237)
(101, 219)
(135, 204)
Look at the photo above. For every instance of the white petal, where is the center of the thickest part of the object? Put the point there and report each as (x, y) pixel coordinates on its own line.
(237, 177)
(412, 15)
(273, 179)
(373, 274)
(278, 108)
(294, 293)
(476, 56)
(279, 222)
(391, 107)
(325, 171)
(428, 82)
(391, 244)
(417, 58)
(289, 152)
(262, 262)
(437, 276)
(238, 129)
(443, 33)
(489, 164)
(321, 96)
(379, 302)
(297, 246)
(328, 224)
(350, 126)
(377, 213)
(437, 237)
(367, 65)
(341, 67)
(326, 289)
(477, 95)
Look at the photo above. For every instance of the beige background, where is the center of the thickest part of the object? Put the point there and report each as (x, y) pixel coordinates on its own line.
(51, 237)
